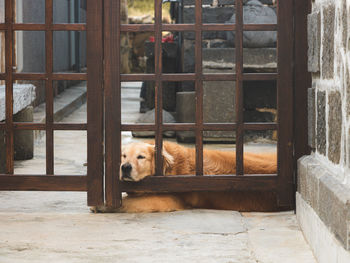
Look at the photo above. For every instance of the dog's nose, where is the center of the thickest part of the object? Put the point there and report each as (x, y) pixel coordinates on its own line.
(126, 168)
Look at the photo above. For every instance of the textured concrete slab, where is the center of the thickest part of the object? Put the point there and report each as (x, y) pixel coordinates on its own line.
(23, 95)
(58, 227)
(276, 237)
(202, 222)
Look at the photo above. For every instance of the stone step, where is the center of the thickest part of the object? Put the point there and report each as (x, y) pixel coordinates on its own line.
(224, 58)
(64, 103)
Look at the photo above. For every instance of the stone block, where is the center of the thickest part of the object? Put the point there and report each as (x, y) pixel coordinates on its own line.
(24, 140)
(218, 14)
(232, 2)
(334, 126)
(334, 207)
(219, 107)
(218, 58)
(186, 107)
(207, 35)
(255, 59)
(321, 123)
(186, 113)
(264, 59)
(344, 16)
(188, 56)
(347, 150)
(222, 2)
(149, 118)
(311, 116)
(193, 2)
(327, 196)
(314, 173)
(2, 152)
(327, 57)
(23, 95)
(306, 166)
(314, 36)
(322, 242)
(347, 87)
(302, 174)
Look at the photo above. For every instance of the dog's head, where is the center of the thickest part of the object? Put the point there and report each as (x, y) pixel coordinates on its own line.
(138, 161)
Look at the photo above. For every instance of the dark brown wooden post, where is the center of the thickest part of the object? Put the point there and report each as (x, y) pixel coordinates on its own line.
(112, 101)
(49, 88)
(239, 87)
(9, 86)
(285, 103)
(158, 100)
(199, 88)
(95, 102)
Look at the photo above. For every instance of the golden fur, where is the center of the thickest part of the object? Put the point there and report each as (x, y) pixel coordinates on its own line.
(138, 162)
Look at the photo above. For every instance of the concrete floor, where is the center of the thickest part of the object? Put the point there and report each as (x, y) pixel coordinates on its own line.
(58, 226)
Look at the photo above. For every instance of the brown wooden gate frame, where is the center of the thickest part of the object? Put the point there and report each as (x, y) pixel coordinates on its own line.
(104, 106)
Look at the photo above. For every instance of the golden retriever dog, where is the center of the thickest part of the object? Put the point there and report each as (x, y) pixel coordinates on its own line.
(138, 162)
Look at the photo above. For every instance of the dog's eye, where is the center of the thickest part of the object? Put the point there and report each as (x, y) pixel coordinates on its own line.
(141, 157)
(124, 155)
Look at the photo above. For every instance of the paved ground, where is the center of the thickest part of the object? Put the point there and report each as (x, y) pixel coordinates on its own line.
(58, 227)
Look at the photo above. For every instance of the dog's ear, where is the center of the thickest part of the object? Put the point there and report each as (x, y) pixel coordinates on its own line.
(168, 160)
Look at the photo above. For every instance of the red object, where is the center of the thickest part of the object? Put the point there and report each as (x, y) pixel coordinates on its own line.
(167, 39)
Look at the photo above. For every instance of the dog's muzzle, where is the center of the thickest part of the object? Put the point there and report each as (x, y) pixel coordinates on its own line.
(126, 172)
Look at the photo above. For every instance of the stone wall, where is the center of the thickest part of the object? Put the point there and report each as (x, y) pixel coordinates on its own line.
(324, 176)
(329, 96)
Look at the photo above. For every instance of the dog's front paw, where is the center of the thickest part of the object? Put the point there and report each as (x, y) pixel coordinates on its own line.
(104, 209)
